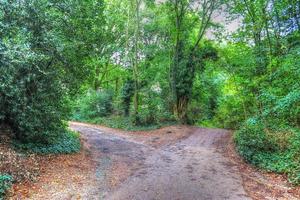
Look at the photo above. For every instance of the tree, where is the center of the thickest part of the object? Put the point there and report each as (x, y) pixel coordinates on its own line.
(185, 52)
(38, 68)
(136, 5)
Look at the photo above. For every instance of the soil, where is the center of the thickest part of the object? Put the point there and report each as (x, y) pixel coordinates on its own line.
(177, 162)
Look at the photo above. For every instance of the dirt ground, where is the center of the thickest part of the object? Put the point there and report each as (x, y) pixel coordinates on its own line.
(177, 162)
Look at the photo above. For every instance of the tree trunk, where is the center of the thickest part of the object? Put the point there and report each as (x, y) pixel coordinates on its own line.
(181, 109)
(97, 81)
(136, 62)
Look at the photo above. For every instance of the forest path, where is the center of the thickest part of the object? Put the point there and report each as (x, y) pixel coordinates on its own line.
(190, 169)
(171, 163)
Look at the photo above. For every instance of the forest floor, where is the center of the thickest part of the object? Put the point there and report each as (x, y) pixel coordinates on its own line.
(177, 162)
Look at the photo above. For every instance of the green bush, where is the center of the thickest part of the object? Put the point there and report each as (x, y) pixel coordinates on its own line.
(5, 184)
(126, 123)
(274, 148)
(230, 113)
(154, 108)
(67, 142)
(93, 105)
(252, 139)
(35, 80)
(101, 108)
(32, 107)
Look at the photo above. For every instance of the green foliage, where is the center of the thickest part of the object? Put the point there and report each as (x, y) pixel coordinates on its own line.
(66, 143)
(33, 107)
(273, 148)
(126, 95)
(126, 123)
(252, 139)
(230, 112)
(155, 106)
(261, 69)
(207, 91)
(5, 184)
(153, 114)
(39, 66)
(93, 105)
(152, 63)
(271, 140)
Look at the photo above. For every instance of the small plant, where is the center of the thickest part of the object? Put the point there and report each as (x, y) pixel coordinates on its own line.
(5, 184)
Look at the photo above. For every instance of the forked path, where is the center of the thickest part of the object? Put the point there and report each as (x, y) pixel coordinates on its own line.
(192, 168)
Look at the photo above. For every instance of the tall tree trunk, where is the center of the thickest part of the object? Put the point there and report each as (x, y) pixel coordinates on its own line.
(179, 101)
(117, 84)
(183, 68)
(136, 62)
(97, 81)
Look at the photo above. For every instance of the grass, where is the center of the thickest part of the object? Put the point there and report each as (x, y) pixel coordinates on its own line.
(207, 124)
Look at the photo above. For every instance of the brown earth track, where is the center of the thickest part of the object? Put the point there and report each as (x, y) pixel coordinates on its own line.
(177, 162)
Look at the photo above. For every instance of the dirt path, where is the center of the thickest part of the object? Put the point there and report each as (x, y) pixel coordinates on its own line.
(178, 163)
(190, 169)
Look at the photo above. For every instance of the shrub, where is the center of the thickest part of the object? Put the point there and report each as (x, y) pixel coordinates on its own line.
(272, 147)
(126, 123)
(94, 104)
(154, 108)
(5, 184)
(252, 139)
(231, 112)
(34, 81)
(67, 142)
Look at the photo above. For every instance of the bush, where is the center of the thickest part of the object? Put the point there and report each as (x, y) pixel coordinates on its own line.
(5, 184)
(154, 109)
(274, 148)
(67, 142)
(99, 107)
(252, 139)
(34, 81)
(92, 105)
(36, 115)
(126, 123)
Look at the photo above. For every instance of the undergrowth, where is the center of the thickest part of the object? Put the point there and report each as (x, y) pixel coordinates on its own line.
(273, 148)
(125, 123)
(66, 143)
(5, 184)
